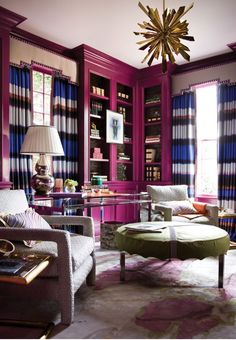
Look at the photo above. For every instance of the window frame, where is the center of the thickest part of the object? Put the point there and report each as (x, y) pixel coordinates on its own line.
(44, 70)
(47, 71)
(207, 198)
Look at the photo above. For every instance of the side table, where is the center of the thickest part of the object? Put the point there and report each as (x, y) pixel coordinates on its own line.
(224, 215)
(34, 265)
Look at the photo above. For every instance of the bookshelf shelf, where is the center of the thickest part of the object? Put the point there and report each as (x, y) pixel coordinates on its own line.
(122, 102)
(96, 96)
(99, 160)
(96, 116)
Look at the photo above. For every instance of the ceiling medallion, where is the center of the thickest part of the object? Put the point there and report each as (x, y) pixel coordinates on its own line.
(163, 37)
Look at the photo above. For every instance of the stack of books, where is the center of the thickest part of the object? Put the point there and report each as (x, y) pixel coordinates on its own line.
(97, 154)
(94, 131)
(153, 139)
(122, 156)
(150, 155)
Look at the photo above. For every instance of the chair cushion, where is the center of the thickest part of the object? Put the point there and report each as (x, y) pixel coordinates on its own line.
(199, 219)
(168, 192)
(81, 248)
(180, 207)
(28, 219)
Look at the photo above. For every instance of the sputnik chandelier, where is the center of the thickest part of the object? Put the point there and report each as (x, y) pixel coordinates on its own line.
(163, 37)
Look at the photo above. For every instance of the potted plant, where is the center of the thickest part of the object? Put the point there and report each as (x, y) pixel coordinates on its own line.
(70, 185)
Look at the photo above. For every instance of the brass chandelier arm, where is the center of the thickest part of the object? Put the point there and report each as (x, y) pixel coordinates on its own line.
(163, 36)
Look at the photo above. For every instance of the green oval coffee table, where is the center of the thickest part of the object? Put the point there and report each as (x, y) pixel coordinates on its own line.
(173, 240)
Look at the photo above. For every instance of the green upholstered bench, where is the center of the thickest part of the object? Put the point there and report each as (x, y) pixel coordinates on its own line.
(176, 240)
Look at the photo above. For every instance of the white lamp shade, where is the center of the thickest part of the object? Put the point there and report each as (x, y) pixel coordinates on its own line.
(42, 139)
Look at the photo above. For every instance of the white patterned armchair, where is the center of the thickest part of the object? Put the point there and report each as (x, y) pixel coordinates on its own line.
(73, 255)
(171, 203)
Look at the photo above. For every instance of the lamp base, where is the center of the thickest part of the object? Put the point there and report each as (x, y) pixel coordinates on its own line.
(42, 184)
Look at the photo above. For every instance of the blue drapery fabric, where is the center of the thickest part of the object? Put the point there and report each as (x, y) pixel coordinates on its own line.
(19, 120)
(65, 119)
(183, 140)
(227, 153)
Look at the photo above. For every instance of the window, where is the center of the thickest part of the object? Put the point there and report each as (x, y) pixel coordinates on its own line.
(42, 88)
(206, 165)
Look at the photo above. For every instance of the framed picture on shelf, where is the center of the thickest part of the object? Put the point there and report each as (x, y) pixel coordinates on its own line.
(114, 127)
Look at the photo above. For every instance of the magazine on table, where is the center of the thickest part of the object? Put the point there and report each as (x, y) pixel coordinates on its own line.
(145, 228)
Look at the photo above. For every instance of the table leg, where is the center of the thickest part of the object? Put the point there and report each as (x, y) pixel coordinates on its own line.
(149, 211)
(122, 266)
(221, 271)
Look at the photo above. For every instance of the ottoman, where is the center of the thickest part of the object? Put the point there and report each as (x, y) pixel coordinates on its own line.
(173, 240)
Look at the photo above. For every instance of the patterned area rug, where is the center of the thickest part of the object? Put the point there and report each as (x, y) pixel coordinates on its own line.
(159, 299)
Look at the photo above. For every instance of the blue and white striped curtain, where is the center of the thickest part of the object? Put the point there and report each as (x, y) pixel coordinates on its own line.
(183, 140)
(65, 119)
(227, 153)
(19, 120)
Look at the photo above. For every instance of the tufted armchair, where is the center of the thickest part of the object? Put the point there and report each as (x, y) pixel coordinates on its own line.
(171, 203)
(73, 259)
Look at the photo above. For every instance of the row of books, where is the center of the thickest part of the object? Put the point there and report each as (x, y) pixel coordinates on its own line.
(123, 96)
(153, 99)
(97, 90)
(153, 173)
(96, 108)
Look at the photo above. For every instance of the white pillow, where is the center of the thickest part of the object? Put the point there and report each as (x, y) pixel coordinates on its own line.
(180, 207)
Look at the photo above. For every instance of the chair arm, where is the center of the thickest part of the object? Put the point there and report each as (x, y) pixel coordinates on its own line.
(85, 221)
(60, 237)
(167, 211)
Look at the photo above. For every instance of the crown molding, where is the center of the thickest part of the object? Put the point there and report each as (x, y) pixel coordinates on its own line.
(38, 41)
(93, 56)
(207, 62)
(9, 19)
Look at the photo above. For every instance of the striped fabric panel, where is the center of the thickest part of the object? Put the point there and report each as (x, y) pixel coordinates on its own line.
(227, 154)
(19, 120)
(65, 119)
(183, 140)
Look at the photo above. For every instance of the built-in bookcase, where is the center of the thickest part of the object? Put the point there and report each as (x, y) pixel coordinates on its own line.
(124, 164)
(99, 103)
(152, 133)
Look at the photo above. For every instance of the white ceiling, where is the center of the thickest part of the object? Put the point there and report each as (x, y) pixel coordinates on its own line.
(108, 25)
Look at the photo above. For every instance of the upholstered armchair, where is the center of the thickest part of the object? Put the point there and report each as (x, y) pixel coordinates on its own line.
(72, 263)
(171, 203)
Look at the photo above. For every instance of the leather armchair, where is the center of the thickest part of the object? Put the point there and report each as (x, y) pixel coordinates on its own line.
(73, 260)
(162, 209)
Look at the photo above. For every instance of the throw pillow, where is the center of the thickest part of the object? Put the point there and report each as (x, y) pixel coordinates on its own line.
(29, 219)
(180, 207)
(200, 207)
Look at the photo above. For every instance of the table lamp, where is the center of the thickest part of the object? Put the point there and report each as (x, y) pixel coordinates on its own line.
(43, 140)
